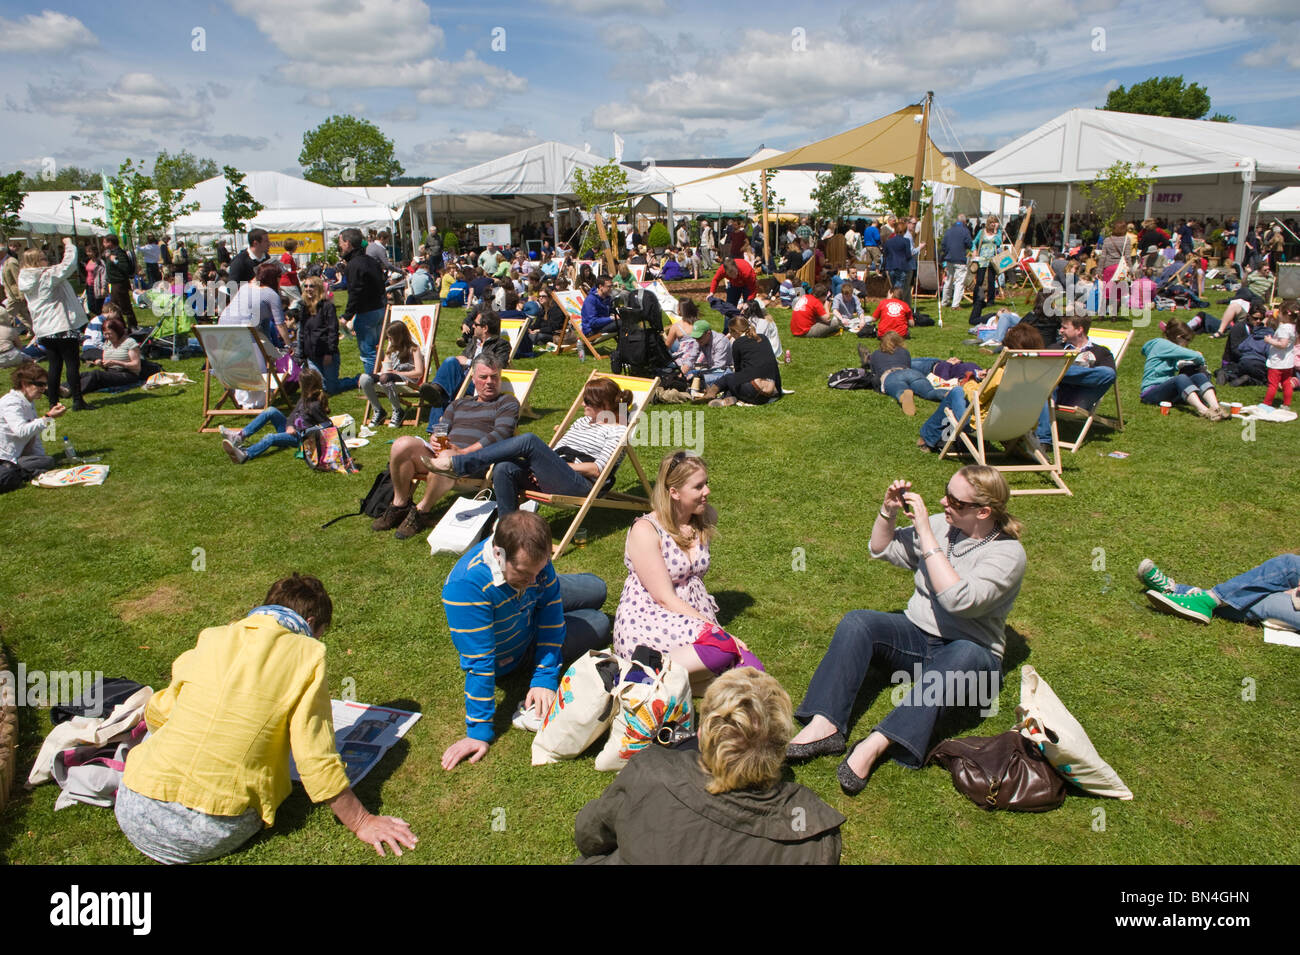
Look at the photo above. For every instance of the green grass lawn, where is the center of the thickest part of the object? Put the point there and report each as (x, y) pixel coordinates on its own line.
(103, 579)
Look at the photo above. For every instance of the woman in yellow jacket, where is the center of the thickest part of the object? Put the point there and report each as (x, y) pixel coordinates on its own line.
(215, 766)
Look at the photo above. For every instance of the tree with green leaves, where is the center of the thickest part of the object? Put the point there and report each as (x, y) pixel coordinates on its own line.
(62, 179)
(240, 206)
(601, 187)
(134, 204)
(752, 196)
(837, 193)
(346, 151)
(181, 171)
(12, 195)
(896, 196)
(1164, 96)
(1118, 185)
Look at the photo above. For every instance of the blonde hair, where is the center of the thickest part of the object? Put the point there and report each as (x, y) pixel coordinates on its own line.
(890, 341)
(745, 725)
(313, 293)
(674, 471)
(33, 258)
(991, 491)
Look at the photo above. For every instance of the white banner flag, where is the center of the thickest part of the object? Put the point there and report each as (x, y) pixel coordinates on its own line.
(618, 148)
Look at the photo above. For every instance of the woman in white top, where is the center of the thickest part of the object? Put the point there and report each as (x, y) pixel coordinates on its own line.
(121, 364)
(525, 462)
(22, 456)
(57, 317)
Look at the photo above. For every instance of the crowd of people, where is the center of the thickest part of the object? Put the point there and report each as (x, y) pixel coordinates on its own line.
(713, 795)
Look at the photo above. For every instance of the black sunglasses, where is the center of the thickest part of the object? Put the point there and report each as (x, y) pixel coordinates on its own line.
(956, 503)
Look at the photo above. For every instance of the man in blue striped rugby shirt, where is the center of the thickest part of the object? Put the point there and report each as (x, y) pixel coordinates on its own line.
(506, 605)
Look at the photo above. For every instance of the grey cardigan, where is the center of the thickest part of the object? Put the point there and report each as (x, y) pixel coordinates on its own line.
(976, 607)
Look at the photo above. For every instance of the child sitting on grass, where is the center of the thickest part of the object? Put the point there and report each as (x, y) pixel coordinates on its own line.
(313, 409)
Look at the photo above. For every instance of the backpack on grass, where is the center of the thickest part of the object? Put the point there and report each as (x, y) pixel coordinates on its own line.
(377, 500)
(852, 379)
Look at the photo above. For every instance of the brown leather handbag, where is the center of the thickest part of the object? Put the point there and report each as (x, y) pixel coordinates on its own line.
(1001, 772)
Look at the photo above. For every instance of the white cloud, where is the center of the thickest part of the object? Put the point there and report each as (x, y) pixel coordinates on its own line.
(457, 150)
(231, 142)
(628, 118)
(319, 99)
(476, 84)
(135, 100)
(47, 32)
(1000, 13)
(1273, 55)
(1254, 9)
(351, 34)
(597, 8)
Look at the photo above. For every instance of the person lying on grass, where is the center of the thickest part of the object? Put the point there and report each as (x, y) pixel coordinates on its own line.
(312, 409)
(1175, 373)
(215, 766)
(506, 608)
(1270, 591)
(895, 376)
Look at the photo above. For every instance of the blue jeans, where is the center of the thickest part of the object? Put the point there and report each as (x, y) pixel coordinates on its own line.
(586, 626)
(450, 375)
(599, 325)
(280, 439)
(366, 325)
(1006, 322)
(898, 278)
(932, 430)
(515, 458)
(1081, 386)
(1259, 594)
(899, 380)
(330, 376)
(867, 636)
(1177, 388)
(924, 365)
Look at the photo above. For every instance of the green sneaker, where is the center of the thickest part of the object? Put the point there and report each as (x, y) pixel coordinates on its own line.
(1154, 577)
(1198, 607)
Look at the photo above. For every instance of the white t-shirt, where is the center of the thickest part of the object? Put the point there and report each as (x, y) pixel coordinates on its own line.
(1281, 356)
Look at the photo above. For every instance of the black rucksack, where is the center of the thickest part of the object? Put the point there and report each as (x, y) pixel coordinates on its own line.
(377, 500)
(641, 349)
(852, 379)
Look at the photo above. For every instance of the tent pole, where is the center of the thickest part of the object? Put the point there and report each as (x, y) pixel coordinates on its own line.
(1146, 206)
(1065, 230)
(767, 241)
(672, 224)
(428, 210)
(555, 225)
(914, 206)
(1247, 177)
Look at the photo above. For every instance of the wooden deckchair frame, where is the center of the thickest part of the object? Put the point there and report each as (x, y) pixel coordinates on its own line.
(978, 447)
(274, 383)
(574, 328)
(614, 499)
(428, 350)
(1117, 340)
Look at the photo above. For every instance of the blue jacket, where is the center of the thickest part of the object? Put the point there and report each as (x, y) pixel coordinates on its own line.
(956, 243)
(870, 236)
(494, 629)
(594, 308)
(898, 253)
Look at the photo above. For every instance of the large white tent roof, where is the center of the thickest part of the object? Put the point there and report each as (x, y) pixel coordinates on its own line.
(793, 188)
(526, 181)
(1081, 143)
(289, 205)
(48, 213)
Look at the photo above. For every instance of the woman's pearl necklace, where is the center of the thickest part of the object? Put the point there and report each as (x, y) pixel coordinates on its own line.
(991, 535)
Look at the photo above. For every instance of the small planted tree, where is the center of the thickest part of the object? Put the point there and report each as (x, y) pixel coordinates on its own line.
(1118, 185)
(658, 237)
(896, 196)
(240, 206)
(837, 193)
(603, 186)
(131, 206)
(11, 201)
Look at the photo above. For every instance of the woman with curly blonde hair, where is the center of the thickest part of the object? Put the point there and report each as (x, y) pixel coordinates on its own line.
(716, 798)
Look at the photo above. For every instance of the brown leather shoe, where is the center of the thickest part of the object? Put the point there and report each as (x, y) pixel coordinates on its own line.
(392, 517)
(416, 521)
(711, 392)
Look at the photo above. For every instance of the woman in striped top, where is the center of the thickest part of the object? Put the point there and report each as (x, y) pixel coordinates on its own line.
(526, 462)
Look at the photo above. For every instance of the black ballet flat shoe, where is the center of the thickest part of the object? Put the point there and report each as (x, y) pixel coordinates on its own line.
(831, 745)
(851, 782)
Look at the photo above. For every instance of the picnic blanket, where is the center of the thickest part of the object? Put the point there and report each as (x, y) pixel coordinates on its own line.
(90, 474)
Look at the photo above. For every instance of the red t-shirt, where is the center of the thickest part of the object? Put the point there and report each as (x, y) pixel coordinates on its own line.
(807, 312)
(289, 277)
(745, 277)
(892, 315)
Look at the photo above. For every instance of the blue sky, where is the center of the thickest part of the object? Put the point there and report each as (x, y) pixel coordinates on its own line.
(89, 83)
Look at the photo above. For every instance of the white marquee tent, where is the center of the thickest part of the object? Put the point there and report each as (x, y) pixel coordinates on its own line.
(289, 205)
(1202, 168)
(49, 213)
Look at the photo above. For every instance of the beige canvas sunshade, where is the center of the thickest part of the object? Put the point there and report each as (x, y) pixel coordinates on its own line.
(887, 144)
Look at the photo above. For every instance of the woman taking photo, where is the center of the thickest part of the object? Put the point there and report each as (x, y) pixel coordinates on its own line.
(526, 462)
(968, 565)
(57, 318)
